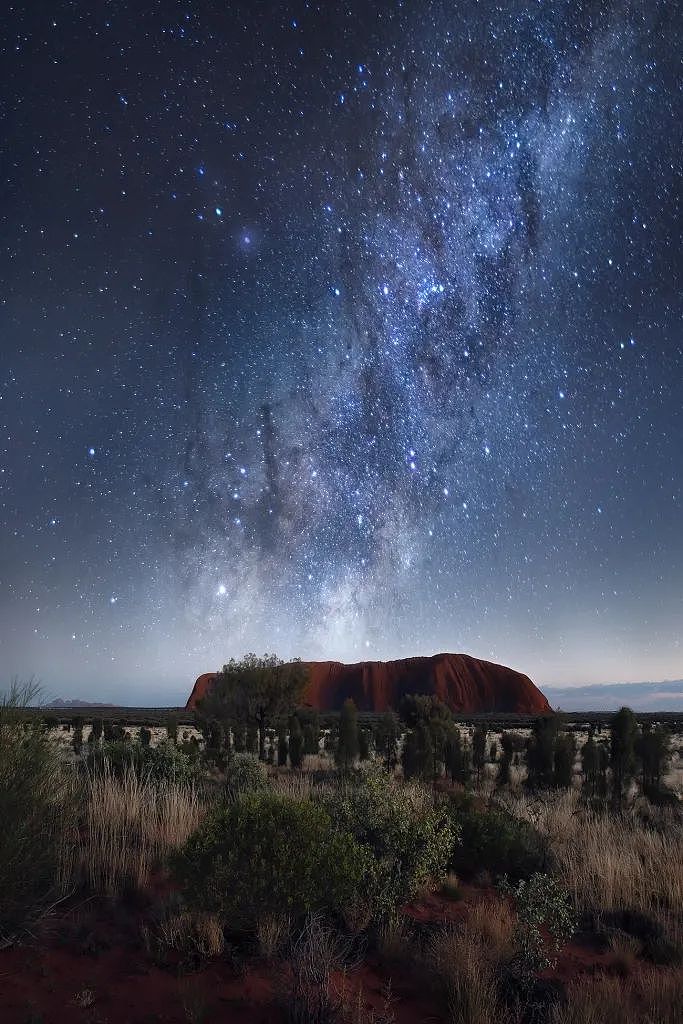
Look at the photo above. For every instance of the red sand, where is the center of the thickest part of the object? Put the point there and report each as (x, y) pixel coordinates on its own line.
(468, 685)
(53, 980)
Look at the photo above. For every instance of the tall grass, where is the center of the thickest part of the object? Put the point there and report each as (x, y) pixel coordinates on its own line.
(609, 861)
(35, 815)
(465, 976)
(130, 823)
(647, 998)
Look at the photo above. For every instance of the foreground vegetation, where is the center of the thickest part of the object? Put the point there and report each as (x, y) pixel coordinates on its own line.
(537, 881)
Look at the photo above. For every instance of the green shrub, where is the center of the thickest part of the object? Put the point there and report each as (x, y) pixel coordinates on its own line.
(494, 840)
(410, 840)
(546, 921)
(172, 728)
(267, 853)
(245, 774)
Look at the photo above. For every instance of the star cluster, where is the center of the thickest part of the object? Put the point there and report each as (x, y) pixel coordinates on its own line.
(339, 330)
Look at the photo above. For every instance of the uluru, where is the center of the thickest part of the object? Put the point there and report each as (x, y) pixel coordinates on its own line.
(467, 685)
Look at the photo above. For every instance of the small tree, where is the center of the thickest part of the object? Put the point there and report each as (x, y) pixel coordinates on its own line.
(507, 748)
(96, 732)
(77, 737)
(347, 746)
(311, 729)
(417, 756)
(623, 733)
(172, 728)
(563, 760)
(457, 757)
(479, 750)
(386, 739)
(652, 750)
(253, 741)
(145, 736)
(540, 756)
(364, 738)
(282, 745)
(296, 743)
(594, 764)
(256, 691)
(239, 739)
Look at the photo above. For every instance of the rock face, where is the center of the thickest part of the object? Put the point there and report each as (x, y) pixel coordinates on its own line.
(467, 685)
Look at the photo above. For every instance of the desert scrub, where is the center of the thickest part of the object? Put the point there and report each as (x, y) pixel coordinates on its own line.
(164, 763)
(546, 921)
(36, 816)
(245, 773)
(495, 841)
(267, 853)
(410, 840)
(649, 997)
(194, 936)
(610, 862)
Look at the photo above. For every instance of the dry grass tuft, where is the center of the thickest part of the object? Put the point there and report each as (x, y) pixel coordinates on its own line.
(130, 825)
(654, 997)
(272, 934)
(450, 887)
(190, 933)
(394, 943)
(491, 924)
(466, 977)
(625, 951)
(307, 994)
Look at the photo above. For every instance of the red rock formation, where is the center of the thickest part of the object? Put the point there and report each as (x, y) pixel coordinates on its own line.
(466, 684)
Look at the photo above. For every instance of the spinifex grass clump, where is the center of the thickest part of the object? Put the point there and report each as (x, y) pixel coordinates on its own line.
(130, 823)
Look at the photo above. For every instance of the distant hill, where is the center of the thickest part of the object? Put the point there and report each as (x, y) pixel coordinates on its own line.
(59, 704)
(467, 685)
(664, 696)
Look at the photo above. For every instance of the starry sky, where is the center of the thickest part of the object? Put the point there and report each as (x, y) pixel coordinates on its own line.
(344, 330)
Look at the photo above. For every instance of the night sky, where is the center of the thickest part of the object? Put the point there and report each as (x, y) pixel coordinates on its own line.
(344, 330)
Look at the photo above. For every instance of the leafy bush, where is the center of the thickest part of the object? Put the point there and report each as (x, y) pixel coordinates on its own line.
(268, 853)
(410, 841)
(546, 921)
(245, 774)
(493, 840)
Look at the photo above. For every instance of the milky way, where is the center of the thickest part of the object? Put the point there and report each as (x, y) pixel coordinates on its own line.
(341, 331)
